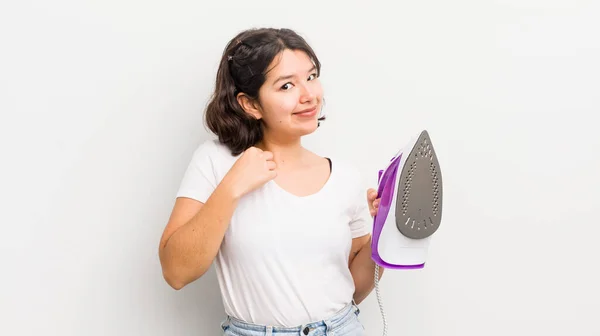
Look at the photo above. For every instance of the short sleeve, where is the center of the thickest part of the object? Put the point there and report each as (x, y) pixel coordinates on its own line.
(199, 179)
(360, 223)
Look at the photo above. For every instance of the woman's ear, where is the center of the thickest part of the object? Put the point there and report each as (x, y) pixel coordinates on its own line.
(249, 105)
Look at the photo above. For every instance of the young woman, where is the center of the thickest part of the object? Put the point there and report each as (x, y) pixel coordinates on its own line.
(288, 230)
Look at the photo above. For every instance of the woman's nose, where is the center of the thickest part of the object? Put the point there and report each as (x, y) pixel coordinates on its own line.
(307, 94)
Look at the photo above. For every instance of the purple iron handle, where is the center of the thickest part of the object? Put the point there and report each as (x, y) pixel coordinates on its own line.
(385, 192)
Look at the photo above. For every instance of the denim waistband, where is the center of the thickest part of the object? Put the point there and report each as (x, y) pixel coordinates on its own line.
(339, 319)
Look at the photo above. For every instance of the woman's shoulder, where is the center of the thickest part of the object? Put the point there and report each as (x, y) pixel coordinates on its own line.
(350, 183)
(213, 150)
(347, 173)
(212, 160)
(345, 166)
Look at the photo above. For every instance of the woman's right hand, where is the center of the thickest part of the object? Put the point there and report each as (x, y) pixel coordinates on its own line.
(253, 169)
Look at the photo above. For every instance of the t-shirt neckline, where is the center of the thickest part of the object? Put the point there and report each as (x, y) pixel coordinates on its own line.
(310, 196)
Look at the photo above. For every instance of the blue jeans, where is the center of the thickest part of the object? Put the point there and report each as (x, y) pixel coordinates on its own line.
(343, 323)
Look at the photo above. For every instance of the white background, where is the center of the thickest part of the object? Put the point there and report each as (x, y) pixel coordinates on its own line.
(101, 108)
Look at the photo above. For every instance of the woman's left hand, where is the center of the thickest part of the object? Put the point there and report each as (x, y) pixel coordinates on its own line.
(373, 201)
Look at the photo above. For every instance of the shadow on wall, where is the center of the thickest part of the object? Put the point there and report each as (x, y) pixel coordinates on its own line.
(197, 309)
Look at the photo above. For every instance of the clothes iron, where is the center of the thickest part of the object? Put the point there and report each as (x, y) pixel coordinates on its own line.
(410, 209)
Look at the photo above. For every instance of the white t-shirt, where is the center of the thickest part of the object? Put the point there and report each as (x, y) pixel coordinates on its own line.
(284, 258)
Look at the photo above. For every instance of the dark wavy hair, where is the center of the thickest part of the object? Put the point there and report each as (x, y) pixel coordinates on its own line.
(243, 68)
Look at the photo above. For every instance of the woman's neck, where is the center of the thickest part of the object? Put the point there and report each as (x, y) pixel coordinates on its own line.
(286, 154)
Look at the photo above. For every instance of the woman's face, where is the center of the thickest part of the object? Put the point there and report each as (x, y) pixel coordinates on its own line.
(290, 100)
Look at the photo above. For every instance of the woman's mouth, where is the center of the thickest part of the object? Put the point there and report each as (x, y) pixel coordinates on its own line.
(307, 113)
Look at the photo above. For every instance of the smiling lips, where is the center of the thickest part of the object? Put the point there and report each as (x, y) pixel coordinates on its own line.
(307, 113)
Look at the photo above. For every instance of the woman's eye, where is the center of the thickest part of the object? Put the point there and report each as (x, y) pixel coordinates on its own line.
(286, 86)
(313, 76)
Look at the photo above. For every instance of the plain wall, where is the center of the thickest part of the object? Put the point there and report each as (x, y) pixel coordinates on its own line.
(101, 108)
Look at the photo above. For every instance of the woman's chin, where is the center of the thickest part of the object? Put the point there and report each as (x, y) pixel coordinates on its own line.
(308, 128)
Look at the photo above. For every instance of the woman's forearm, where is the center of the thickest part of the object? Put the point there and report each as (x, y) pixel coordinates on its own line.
(190, 250)
(362, 268)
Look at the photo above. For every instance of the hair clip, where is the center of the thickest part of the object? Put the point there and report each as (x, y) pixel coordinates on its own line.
(229, 58)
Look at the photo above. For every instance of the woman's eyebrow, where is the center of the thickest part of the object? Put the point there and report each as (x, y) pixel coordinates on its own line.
(286, 77)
